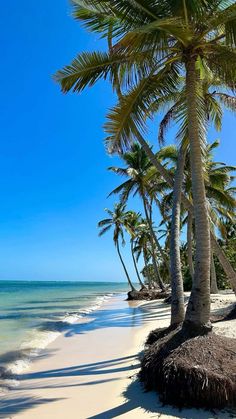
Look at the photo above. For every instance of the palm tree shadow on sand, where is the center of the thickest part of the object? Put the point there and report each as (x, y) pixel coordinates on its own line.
(13, 405)
(136, 398)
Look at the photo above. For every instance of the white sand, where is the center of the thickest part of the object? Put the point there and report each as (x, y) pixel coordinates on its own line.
(90, 371)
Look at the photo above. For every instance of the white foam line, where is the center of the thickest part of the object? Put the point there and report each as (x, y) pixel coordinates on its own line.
(41, 339)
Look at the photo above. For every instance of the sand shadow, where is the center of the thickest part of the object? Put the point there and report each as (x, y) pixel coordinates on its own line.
(95, 369)
(12, 405)
(136, 398)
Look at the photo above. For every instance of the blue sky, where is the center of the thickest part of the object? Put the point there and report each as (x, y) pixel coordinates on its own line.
(53, 180)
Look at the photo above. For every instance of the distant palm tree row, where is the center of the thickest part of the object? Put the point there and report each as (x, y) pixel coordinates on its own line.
(177, 59)
(144, 180)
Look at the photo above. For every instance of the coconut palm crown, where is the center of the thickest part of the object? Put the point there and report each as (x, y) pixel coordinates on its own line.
(116, 221)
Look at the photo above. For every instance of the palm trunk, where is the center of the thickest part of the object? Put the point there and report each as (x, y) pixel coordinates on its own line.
(190, 243)
(135, 264)
(214, 287)
(123, 264)
(218, 251)
(177, 289)
(164, 258)
(198, 309)
(157, 274)
(145, 257)
(160, 282)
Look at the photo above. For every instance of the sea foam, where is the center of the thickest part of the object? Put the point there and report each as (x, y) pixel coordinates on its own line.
(37, 340)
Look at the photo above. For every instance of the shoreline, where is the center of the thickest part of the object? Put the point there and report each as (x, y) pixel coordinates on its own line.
(37, 339)
(89, 372)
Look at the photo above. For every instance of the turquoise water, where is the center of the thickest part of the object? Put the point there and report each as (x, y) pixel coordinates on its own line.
(34, 313)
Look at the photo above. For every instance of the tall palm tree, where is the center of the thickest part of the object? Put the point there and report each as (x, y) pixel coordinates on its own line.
(177, 301)
(116, 221)
(156, 42)
(212, 101)
(142, 180)
(137, 171)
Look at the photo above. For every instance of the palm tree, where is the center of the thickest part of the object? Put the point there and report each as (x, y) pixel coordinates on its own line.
(137, 170)
(132, 223)
(143, 246)
(156, 43)
(219, 192)
(213, 111)
(143, 180)
(116, 220)
(177, 301)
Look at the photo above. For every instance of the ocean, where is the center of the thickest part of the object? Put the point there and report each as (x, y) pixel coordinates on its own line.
(34, 313)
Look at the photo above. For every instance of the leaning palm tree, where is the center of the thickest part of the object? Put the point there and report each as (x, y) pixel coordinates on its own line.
(116, 221)
(132, 223)
(142, 180)
(139, 175)
(143, 246)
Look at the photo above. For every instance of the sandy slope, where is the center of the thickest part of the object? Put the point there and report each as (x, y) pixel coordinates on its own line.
(90, 371)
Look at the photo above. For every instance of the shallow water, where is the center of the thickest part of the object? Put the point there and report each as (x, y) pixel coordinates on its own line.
(33, 313)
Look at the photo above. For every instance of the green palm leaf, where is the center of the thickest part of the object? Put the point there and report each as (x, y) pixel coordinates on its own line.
(127, 118)
(104, 230)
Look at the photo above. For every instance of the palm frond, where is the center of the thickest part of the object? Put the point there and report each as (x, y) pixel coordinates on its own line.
(174, 26)
(222, 62)
(127, 119)
(104, 230)
(104, 222)
(228, 101)
(222, 197)
(118, 170)
(214, 111)
(225, 18)
(96, 16)
(213, 145)
(89, 67)
(168, 152)
(165, 123)
(85, 70)
(126, 186)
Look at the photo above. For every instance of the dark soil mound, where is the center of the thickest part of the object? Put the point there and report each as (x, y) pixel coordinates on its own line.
(146, 294)
(158, 334)
(199, 371)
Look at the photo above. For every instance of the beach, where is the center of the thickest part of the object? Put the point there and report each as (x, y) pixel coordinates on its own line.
(90, 370)
(34, 313)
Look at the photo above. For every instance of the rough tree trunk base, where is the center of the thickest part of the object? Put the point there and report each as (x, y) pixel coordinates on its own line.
(145, 294)
(197, 372)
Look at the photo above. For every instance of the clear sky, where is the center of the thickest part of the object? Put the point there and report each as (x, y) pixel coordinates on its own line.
(53, 178)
